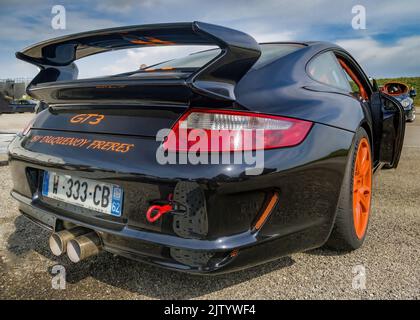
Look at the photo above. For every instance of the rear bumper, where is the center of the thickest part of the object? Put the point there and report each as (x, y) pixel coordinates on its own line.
(307, 177)
(140, 245)
(222, 255)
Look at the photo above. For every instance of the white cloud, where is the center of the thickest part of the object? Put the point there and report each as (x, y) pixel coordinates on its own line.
(124, 6)
(381, 60)
(274, 36)
(305, 14)
(16, 27)
(24, 23)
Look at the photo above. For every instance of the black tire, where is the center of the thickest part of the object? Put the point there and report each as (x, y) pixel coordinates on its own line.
(343, 235)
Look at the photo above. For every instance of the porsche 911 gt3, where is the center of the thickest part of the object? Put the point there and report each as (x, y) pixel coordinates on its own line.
(129, 164)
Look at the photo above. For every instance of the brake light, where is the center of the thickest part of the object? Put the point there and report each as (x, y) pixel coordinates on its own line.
(227, 130)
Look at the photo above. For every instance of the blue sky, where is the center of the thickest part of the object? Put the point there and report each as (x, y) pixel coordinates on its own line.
(389, 47)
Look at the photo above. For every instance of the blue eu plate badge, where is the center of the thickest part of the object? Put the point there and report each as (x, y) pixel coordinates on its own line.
(116, 201)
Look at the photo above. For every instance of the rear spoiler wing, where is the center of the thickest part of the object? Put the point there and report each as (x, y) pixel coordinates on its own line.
(239, 52)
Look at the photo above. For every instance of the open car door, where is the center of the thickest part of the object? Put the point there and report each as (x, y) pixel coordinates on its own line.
(388, 118)
(389, 125)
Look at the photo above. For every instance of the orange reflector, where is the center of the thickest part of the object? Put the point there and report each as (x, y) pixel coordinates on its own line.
(267, 210)
(234, 253)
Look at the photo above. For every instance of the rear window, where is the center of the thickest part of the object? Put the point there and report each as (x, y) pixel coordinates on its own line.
(273, 51)
(194, 60)
(269, 53)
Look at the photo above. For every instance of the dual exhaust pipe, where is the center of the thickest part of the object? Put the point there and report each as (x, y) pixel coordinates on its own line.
(79, 243)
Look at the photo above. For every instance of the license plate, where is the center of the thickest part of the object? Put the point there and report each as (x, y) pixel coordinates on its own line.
(103, 197)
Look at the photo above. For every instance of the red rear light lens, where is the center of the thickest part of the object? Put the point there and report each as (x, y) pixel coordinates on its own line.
(226, 130)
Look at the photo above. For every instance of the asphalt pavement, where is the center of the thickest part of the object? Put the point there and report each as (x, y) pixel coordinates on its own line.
(10, 124)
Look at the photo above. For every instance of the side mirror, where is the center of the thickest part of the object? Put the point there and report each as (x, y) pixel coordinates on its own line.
(413, 93)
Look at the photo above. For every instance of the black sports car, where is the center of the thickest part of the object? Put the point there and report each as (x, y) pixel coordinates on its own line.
(267, 149)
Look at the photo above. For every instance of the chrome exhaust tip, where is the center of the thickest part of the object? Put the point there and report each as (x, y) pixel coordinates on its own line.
(58, 240)
(83, 247)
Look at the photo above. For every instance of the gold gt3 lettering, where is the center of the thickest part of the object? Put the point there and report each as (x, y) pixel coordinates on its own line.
(90, 118)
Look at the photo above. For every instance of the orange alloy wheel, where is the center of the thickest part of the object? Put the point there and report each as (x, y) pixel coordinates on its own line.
(362, 188)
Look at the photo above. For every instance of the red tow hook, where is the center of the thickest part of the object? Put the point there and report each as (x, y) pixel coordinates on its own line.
(161, 210)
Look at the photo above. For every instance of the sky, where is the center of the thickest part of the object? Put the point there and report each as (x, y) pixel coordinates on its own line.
(389, 46)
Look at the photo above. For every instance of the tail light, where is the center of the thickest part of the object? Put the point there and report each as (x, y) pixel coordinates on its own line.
(226, 130)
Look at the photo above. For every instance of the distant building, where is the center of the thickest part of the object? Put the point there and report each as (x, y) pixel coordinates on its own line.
(14, 88)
